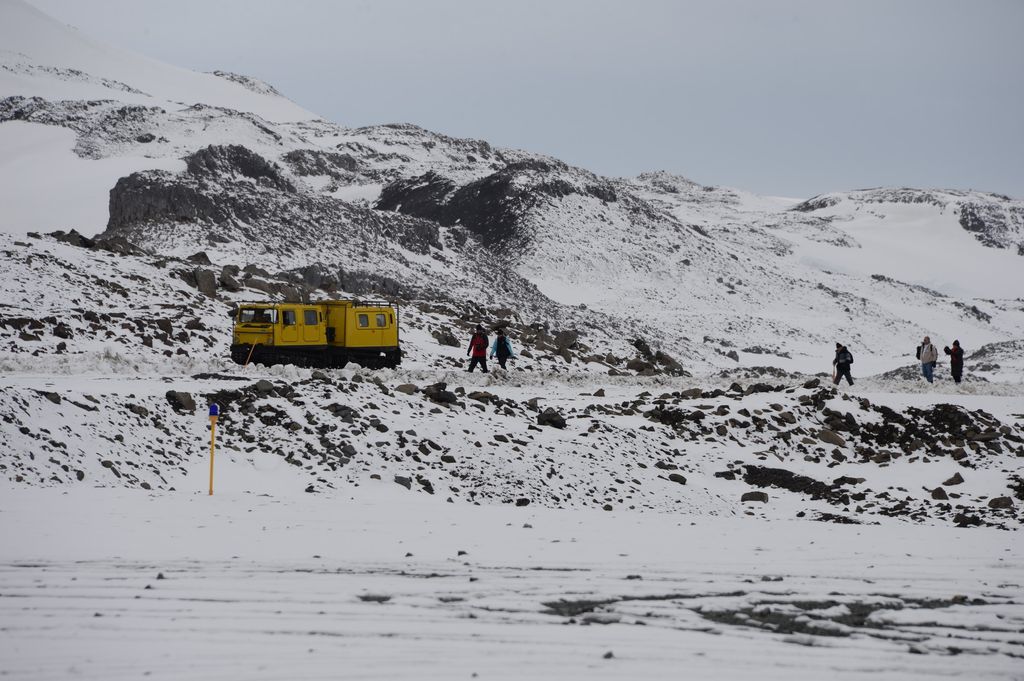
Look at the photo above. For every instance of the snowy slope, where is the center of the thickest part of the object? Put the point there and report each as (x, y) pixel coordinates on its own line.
(43, 58)
(46, 183)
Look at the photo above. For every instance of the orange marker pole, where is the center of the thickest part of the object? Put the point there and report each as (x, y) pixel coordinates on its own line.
(214, 413)
(251, 350)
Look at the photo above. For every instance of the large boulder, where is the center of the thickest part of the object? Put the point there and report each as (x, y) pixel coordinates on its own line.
(206, 281)
(444, 336)
(550, 417)
(261, 285)
(438, 392)
(229, 278)
(566, 339)
(181, 401)
(638, 365)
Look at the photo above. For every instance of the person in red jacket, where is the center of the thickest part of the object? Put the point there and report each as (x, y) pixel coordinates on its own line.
(478, 349)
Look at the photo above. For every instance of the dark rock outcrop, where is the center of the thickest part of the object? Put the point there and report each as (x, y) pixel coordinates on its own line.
(493, 207)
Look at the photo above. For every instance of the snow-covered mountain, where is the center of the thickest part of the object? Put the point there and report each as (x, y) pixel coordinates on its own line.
(221, 164)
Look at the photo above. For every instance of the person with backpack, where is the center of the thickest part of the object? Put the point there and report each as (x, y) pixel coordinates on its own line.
(928, 356)
(502, 348)
(478, 349)
(956, 361)
(842, 362)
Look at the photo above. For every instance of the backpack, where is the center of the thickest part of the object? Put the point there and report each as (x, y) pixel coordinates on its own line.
(919, 352)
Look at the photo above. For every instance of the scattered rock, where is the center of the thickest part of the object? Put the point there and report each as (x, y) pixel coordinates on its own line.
(831, 437)
(957, 479)
(965, 520)
(755, 496)
(263, 386)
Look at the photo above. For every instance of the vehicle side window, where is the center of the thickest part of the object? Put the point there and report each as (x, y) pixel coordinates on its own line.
(258, 315)
(381, 321)
(364, 321)
(309, 317)
(288, 317)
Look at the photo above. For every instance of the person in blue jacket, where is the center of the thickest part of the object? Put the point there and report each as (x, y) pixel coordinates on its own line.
(502, 348)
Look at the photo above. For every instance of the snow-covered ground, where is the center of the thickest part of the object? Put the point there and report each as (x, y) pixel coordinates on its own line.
(372, 583)
(663, 485)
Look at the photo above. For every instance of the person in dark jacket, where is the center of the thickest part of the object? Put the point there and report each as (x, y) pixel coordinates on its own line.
(956, 361)
(502, 348)
(478, 349)
(842, 362)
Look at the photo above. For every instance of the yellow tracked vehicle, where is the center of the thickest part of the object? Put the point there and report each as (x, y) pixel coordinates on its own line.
(327, 333)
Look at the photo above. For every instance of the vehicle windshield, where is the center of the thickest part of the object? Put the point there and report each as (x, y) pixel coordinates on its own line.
(257, 315)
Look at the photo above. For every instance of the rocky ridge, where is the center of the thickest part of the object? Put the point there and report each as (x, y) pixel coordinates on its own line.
(699, 450)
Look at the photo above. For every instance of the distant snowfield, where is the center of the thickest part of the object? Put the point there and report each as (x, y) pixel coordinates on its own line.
(374, 583)
(46, 186)
(104, 72)
(921, 245)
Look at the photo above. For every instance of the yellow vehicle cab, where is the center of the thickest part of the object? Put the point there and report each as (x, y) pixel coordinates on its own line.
(327, 333)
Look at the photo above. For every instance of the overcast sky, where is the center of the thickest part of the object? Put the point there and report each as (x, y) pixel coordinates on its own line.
(790, 98)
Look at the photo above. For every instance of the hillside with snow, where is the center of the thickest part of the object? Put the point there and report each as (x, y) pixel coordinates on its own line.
(667, 449)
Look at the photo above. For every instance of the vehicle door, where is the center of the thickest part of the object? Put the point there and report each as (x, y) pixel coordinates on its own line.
(380, 327)
(311, 326)
(289, 325)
